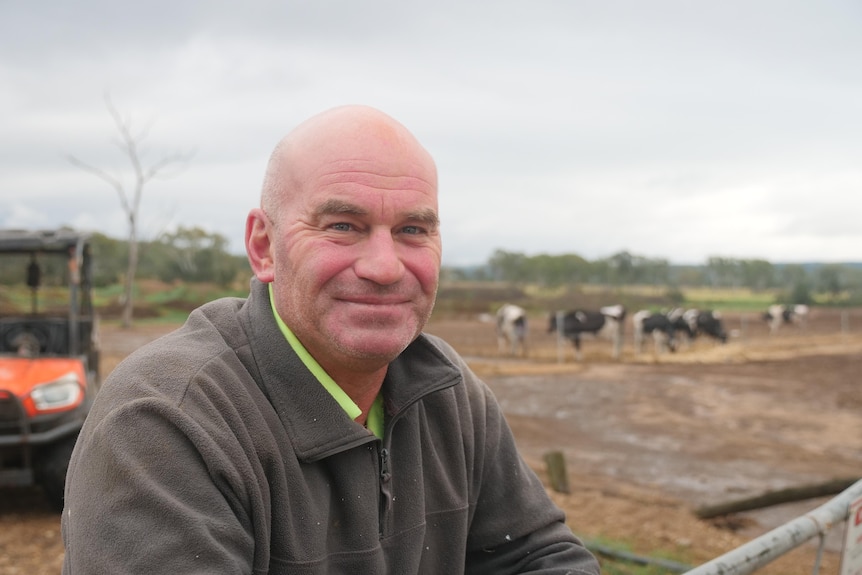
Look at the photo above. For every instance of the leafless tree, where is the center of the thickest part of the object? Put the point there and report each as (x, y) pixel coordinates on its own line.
(129, 143)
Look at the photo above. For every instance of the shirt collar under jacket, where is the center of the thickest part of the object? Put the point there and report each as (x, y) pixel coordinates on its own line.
(374, 422)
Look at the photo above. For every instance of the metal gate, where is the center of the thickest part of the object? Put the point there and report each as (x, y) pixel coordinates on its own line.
(758, 552)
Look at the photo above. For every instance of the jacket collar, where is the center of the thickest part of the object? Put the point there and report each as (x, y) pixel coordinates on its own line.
(315, 423)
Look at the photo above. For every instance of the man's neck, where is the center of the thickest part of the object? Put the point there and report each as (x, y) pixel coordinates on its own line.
(362, 388)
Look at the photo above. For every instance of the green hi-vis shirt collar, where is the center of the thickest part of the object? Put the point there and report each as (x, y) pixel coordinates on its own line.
(374, 421)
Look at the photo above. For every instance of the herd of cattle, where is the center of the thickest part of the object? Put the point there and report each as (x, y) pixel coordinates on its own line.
(668, 330)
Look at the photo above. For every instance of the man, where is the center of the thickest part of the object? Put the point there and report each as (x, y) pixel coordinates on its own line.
(312, 428)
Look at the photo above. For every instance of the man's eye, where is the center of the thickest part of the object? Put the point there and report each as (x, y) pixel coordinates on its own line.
(341, 227)
(413, 230)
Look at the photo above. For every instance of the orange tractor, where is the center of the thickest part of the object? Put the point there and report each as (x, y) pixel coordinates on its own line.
(49, 356)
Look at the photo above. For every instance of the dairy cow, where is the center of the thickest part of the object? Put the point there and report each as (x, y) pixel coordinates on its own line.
(663, 327)
(705, 323)
(605, 322)
(511, 329)
(777, 315)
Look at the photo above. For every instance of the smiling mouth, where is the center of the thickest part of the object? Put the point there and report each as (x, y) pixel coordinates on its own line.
(378, 306)
(375, 301)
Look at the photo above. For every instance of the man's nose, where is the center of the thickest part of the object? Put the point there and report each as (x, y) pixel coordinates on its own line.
(379, 260)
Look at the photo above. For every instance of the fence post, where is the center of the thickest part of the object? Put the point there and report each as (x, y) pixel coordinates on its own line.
(556, 464)
(560, 348)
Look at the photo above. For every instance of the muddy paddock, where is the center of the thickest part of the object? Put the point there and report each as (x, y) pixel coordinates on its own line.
(647, 439)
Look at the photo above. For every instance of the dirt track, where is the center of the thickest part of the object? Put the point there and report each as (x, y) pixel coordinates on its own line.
(646, 439)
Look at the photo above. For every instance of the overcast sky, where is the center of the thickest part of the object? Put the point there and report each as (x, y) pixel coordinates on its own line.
(677, 130)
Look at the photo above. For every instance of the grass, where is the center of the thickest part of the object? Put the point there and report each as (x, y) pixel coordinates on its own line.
(729, 299)
(616, 558)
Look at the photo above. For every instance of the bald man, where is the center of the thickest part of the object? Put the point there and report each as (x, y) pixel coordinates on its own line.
(312, 427)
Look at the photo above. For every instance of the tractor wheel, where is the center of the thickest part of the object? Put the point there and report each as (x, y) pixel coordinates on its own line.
(52, 463)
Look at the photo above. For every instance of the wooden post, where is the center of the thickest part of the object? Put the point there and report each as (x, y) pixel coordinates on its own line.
(560, 338)
(556, 464)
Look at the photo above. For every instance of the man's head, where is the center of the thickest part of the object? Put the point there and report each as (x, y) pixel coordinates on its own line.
(348, 234)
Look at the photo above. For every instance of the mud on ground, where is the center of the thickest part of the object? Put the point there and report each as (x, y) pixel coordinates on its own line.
(647, 439)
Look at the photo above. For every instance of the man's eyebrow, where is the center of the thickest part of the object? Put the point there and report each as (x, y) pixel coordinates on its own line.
(426, 216)
(334, 207)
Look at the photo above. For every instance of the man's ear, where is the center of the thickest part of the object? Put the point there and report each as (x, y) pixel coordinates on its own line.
(258, 245)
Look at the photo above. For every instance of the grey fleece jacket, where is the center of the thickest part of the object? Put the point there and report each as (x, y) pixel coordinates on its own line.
(214, 450)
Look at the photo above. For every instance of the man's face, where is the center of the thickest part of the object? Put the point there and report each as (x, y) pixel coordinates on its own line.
(356, 260)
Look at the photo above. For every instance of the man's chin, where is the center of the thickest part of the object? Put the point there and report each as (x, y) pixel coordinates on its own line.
(382, 345)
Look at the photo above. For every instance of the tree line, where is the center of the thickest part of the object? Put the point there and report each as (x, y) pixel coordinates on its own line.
(192, 254)
(188, 254)
(798, 281)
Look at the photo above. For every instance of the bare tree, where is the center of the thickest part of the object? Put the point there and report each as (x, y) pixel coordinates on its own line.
(130, 200)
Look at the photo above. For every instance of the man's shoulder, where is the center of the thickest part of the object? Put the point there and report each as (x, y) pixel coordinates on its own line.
(215, 324)
(209, 331)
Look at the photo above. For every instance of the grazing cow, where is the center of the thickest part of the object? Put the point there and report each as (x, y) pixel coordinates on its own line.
(706, 323)
(512, 329)
(606, 322)
(662, 326)
(778, 315)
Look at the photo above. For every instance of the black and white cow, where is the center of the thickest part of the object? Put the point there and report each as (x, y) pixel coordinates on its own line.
(777, 315)
(605, 322)
(705, 323)
(512, 329)
(664, 328)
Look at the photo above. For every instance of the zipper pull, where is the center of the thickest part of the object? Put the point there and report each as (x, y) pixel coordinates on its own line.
(384, 465)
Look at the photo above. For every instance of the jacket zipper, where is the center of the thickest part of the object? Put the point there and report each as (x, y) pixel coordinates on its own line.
(385, 506)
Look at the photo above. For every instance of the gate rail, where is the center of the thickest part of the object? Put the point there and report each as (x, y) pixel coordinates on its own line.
(758, 552)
